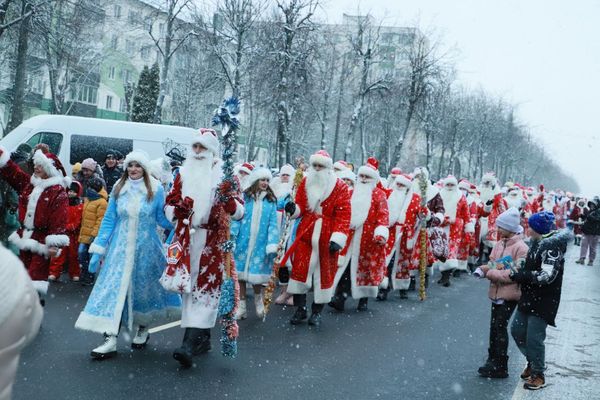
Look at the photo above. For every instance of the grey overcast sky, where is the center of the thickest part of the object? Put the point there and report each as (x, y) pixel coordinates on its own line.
(543, 55)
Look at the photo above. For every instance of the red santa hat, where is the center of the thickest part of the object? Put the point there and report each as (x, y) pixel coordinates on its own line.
(464, 184)
(141, 157)
(404, 180)
(246, 168)
(370, 169)
(322, 157)
(258, 174)
(287, 169)
(395, 171)
(450, 180)
(473, 188)
(208, 138)
(542, 188)
(341, 165)
(530, 190)
(50, 164)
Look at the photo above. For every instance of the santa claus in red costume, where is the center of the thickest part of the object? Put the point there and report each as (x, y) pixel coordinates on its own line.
(397, 216)
(392, 177)
(243, 172)
(492, 205)
(457, 224)
(365, 248)
(323, 203)
(472, 239)
(193, 202)
(409, 251)
(576, 218)
(43, 204)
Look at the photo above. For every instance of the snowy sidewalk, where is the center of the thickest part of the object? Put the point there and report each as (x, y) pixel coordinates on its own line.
(573, 348)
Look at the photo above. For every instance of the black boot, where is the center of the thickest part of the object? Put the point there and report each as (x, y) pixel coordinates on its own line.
(426, 281)
(362, 304)
(499, 368)
(486, 368)
(337, 303)
(315, 319)
(201, 342)
(445, 280)
(412, 284)
(382, 295)
(456, 273)
(185, 353)
(299, 316)
(403, 294)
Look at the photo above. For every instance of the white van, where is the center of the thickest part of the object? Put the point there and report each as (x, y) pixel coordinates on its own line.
(74, 139)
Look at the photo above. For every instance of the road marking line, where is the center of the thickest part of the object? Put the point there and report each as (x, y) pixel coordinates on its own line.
(164, 327)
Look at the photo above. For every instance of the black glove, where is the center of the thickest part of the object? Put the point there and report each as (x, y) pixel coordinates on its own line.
(290, 207)
(333, 247)
(489, 202)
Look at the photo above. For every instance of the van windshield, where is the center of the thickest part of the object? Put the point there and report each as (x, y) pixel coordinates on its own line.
(52, 139)
(15, 137)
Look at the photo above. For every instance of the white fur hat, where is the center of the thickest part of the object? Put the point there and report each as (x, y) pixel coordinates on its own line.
(370, 169)
(404, 180)
(141, 157)
(322, 157)
(207, 138)
(450, 180)
(347, 174)
(287, 169)
(258, 174)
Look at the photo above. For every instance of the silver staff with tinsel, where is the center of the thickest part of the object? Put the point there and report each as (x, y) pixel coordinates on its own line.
(226, 116)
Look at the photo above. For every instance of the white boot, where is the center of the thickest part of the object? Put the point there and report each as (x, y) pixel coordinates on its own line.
(260, 306)
(141, 338)
(107, 349)
(241, 312)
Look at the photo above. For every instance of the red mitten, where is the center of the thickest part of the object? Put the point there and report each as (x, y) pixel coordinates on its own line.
(184, 208)
(230, 206)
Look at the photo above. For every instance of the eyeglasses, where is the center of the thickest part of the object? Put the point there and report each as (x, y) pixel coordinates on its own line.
(317, 166)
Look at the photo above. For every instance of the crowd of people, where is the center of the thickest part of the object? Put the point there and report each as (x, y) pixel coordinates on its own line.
(321, 226)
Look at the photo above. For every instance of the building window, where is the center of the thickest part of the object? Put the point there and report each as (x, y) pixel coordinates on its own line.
(126, 75)
(161, 29)
(88, 95)
(111, 73)
(145, 52)
(133, 17)
(117, 11)
(109, 100)
(114, 41)
(122, 105)
(129, 47)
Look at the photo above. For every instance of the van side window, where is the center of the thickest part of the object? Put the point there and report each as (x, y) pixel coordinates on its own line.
(52, 139)
(96, 147)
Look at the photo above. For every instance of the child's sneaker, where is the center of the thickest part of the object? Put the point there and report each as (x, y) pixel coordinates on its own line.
(536, 382)
(526, 374)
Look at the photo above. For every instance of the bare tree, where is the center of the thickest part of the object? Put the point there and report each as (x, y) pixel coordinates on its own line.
(176, 33)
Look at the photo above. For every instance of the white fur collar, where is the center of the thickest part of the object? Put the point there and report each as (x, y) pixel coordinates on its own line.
(46, 183)
(153, 184)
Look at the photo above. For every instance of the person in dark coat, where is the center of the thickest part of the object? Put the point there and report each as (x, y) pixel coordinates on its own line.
(111, 170)
(541, 282)
(591, 233)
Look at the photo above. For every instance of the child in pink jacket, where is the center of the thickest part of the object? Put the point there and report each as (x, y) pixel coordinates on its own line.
(503, 292)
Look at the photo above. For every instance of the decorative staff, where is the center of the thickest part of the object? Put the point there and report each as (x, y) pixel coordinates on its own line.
(268, 299)
(226, 117)
(423, 185)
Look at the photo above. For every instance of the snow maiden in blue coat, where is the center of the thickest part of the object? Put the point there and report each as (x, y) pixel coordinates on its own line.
(127, 291)
(256, 237)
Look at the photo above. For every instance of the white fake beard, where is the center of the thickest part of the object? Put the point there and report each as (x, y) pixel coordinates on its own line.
(548, 204)
(450, 199)
(194, 173)
(281, 189)
(487, 193)
(396, 204)
(361, 202)
(514, 201)
(317, 184)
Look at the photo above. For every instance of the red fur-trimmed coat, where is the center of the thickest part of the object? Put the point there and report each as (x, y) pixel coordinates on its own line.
(492, 212)
(366, 256)
(43, 205)
(311, 258)
(458, 230)
(576, 218)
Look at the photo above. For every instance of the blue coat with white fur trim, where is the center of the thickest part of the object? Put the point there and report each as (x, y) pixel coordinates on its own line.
(128, 285)
(256, 237)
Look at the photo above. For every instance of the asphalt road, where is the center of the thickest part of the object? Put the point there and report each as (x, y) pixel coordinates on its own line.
(400, 349)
